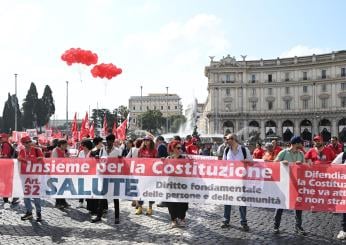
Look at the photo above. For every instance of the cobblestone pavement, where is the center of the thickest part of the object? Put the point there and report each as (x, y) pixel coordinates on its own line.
(72, 226)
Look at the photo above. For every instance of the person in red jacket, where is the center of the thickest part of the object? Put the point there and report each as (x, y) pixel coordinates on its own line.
(193, 148)
(277, 148)
(258, 152)
(319, 153)
(30, 154)
(335, 145)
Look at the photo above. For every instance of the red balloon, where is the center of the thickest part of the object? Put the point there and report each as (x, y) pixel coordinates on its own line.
(80, 56)
(105, 71)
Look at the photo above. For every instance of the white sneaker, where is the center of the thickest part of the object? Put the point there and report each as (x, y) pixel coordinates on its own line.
(7, 205)
(341, 235)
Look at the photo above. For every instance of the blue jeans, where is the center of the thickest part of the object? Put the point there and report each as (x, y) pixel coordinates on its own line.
(28, 205)
(227, 214)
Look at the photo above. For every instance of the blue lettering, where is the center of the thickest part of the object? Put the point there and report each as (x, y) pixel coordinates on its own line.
(116, 182)
(50, 184)
(67, 185)
(95, 185)
(81, 190)
(131, 185)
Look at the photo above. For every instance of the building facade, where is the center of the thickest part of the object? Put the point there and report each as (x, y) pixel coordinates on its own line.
(278, 97)
(168, 104)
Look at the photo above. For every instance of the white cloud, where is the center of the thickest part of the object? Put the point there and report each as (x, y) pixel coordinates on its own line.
(301, 50)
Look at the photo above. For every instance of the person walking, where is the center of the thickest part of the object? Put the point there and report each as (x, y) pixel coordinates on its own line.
(235, 151)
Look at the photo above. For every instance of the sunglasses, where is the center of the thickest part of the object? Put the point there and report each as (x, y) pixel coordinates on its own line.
(229, 138)
(178, 147)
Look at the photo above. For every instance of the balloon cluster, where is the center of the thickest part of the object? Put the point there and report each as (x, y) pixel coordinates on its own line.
(105, 70)
(78, 55)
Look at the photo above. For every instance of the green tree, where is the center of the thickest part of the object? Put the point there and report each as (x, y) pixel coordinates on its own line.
(48, 101)
(175, 122)
(121, 113)
(9, 110)
(152, 121)
(29, 105)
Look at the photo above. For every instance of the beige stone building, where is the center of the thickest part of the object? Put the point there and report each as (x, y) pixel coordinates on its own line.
(168, 104)
(277, 97)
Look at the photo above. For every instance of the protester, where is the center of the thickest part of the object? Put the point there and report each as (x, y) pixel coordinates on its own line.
(177, 210)
(30, 154)
(258, 152)
(295, 156)
(269, 154)
(319, 154)
(193, 148)
(235, 151)
(221, 148)
(341, 159)
(335, 145)
(277, 148)
(147, 150)
(106, 152)
(60, 151)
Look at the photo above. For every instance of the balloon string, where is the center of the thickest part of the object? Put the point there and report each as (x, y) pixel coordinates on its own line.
(80, 73)
(105, 88)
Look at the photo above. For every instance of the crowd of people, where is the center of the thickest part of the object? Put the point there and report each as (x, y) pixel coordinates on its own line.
(148, 147)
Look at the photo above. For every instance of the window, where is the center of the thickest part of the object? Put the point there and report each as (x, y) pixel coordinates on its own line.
(169, 107)
(324, 103)
(270, 91)
(324, 74)
(305, 75)
(343, 72)
(140, 108)
(161, 107)
(228, 78)
(324, 87)
(148, 108)
(305, 104)
(287, 76)
(287, 90)
(287, 105)
(253, 91)
(343, 101)
(134, 108)
(270, 105)
(176, 107)
(343, 86)
(305, 89)
(154, 107)
(228, 91)
(254, 106)
(134, 120)
(270, 78)
(253, 78)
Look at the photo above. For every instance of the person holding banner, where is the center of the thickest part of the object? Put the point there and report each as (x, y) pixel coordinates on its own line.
(319, 154)
(341, 159)
(236, 152)
(30, 154)
(109, 151)
(60, 151)
(177, 210)
(147, 150)
(290, 155)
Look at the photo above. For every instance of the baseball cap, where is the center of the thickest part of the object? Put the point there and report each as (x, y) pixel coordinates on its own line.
(25, 139)
(296, 140)
(317, 138)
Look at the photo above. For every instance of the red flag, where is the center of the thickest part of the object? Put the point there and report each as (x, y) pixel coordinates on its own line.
(121, 130)
(74, 128)
(84, 131)
(114, 130)
(92, 130)
(104, 129)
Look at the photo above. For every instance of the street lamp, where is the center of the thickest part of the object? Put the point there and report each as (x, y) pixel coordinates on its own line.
(167, 112)
(15, 106)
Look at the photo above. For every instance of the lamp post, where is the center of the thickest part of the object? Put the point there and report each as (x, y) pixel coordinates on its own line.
(67, 107)
(167, 111)
(15, 106)
(141, 125)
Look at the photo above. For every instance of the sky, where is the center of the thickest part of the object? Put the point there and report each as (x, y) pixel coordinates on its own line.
(157, 43)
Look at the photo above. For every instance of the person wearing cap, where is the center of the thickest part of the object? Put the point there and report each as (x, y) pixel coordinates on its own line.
(269, 154)
(295, 156)
(60, 151)
(319, 154)
(30, 154)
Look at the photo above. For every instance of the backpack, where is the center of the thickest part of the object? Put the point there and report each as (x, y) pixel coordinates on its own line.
(242, 149)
